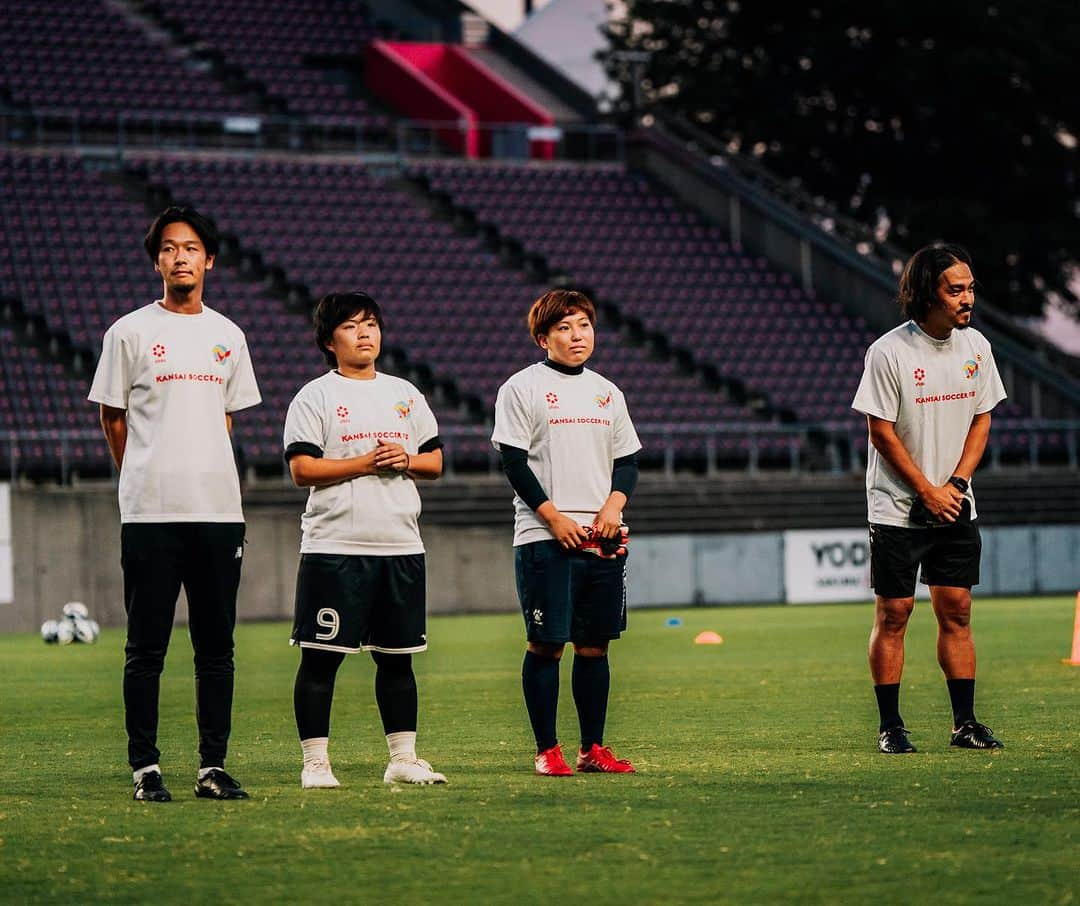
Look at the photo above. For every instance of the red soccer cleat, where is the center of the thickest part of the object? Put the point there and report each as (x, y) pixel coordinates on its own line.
(601, 760)
(551, 763)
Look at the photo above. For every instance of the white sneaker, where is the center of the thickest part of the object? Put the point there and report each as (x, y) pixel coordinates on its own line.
(413, 771)
(318, 776)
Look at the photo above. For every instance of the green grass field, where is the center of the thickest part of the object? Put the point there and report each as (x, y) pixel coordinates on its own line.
(758, 777)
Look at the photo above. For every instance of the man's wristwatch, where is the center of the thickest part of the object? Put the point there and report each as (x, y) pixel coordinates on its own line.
(961, 484)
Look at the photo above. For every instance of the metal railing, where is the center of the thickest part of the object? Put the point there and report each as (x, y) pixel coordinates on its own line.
(512, 141)
(749, 447)
(155, 130)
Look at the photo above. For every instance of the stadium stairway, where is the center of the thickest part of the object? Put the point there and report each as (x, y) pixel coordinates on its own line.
(298, 60)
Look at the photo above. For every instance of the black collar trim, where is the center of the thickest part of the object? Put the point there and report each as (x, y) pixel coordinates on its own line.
(564, 369)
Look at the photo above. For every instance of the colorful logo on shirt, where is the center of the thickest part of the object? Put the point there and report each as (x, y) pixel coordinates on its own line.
(402, 408)
(971, 369)
(221, 353)
(342, 414)
(552, 400)
(158, 352)
(920, 377)
(603, 401)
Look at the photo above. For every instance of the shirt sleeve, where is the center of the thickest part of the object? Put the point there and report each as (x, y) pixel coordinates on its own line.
(425, 426)
(625, 440)
(513, 418)
(991, 388)
(523, 480)
(112, 378)
(242, 391)
(305, 425)
(879, 390)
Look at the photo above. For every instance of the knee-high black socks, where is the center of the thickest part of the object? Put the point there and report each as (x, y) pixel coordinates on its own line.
(313, 692)
(395, 691)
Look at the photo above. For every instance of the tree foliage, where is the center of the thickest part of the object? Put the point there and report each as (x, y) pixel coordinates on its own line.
(925, 119)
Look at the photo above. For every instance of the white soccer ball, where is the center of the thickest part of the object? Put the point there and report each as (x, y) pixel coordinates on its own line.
(85, 630)
(76, 610)
(65, 632)
(48, 632)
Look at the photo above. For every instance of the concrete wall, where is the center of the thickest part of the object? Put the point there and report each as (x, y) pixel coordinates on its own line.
(749, 568)
(66, 547)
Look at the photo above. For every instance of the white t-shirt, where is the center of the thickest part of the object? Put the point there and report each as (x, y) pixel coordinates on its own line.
(932, 390)
(574, 426)
(177, 376)
(339, 417)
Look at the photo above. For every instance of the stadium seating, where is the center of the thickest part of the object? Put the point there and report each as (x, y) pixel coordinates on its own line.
(37, 396)
(609, 230)
(85, 57)
(451, 305)
(70, 251)
(278, 44)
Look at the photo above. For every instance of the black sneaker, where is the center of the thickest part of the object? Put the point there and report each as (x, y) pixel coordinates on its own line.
(894, 741)
(218, 785)
(149, 788)
(973, 735)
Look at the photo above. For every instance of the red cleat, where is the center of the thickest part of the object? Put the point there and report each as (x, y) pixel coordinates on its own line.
(551, 763)
(601, 760)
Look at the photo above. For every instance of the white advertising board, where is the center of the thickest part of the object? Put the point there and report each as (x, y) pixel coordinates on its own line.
(822, 565)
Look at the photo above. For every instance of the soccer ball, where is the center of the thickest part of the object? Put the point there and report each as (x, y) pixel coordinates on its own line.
(76, 610)
(49, 632)
(85, 630)
(65, 632)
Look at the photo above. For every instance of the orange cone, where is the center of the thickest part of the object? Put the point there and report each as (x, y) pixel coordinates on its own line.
(1075, 659)
(708, 637)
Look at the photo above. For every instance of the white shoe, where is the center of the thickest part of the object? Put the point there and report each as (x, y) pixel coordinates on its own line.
(318, 776)
(415, 770)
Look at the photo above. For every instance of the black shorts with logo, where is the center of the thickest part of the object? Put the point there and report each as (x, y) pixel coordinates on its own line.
(949, 555)
(352, 603)
(570, 597)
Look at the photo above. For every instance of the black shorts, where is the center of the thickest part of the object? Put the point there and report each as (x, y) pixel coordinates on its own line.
(570, 597)
(352, 603)
(948, 555)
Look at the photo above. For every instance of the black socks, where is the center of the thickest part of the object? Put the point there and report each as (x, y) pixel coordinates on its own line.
(313, 692)
(962, 695)
(591, 682)
(888, 702)
(540, 683)
(395, 691)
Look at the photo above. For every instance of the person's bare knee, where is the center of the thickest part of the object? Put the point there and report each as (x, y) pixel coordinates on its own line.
(952, 607)
(892, 615)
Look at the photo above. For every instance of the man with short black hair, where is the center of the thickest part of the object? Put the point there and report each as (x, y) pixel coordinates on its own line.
(569, 449)
(169, 377)
(359, 439)
(927, 391)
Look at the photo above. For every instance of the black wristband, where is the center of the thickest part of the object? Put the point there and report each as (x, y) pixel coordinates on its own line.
(961, 484)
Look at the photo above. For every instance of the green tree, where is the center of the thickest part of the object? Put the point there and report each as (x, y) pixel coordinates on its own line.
(955, 120)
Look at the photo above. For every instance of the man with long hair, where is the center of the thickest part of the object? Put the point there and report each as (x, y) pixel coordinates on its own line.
(927, 391)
